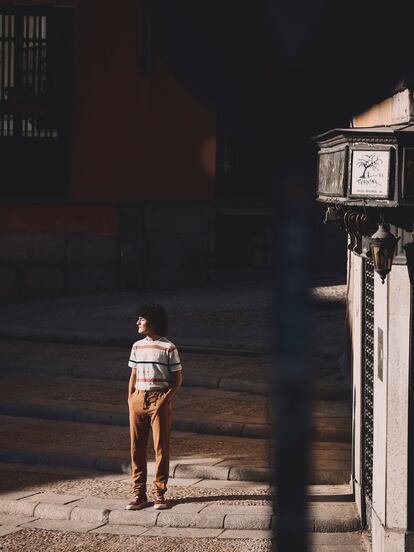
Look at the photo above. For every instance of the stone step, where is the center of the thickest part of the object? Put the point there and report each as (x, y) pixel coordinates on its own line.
(224, 371)
(318, 432)
(185, 513)
(88, 320)
(104, 447)
(197, 410)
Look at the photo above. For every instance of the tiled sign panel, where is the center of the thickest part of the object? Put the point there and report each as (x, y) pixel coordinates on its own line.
(332, 173)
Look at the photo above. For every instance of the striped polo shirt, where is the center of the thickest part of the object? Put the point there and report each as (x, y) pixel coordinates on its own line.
(154, 360)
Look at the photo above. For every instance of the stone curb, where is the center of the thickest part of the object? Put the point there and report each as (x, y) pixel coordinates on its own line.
(115, 465)
(177, 471)
(98, 512)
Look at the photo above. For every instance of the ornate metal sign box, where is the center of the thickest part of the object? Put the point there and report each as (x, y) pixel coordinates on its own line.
(367, 166)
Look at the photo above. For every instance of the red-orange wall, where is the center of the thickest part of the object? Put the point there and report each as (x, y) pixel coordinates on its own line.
(133, 137)
(59, 218)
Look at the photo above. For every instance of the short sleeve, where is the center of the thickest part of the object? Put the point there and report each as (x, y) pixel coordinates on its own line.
(132, 363)
(174, 361)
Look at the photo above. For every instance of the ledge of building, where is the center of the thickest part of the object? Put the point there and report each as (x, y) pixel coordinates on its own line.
(397, 109)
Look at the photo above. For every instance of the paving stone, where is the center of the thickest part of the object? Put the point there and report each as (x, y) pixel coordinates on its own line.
(223, 484)
(330, 524)
(335, 538)
(195, 461)
(62, 525)
(174, 532)
(6, 519)
(198, 470)
(248, 521)
(217, 428)
(176, 482)
(241, 463)
(330, 490)
(144, 518)
(245, 534)
(89, 515)
(171, 519)
(113, 477)
(17, 507)
(52, 498)
(189, 507)
(133, 530)
(95, 502)
(53, 511)
(239, 510)
(337, 548)
(7, 529)
(250, 474)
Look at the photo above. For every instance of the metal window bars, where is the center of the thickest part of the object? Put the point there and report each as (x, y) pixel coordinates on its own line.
(29, 86)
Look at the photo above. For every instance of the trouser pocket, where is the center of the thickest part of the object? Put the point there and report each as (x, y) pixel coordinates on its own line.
(152, 398)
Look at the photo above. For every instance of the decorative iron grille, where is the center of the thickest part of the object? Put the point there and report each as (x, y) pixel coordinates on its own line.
(368, 371)
(34, 98)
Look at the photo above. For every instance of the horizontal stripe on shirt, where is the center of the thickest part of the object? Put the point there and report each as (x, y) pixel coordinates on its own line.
(151, 379)
(154, 347)
(152, 362)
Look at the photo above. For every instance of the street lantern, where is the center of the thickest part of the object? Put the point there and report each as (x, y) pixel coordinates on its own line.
(383, 245)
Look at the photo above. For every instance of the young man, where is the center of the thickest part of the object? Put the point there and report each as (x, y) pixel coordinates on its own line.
(155, 379)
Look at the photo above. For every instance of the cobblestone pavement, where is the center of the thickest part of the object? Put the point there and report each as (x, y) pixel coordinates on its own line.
(228, 314)
(28, 540)
(229, 412)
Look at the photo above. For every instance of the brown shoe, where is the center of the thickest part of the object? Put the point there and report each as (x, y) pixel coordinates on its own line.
(138, 502)
(160, 503)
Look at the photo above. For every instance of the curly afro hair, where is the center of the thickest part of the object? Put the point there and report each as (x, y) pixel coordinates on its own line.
(156, 316)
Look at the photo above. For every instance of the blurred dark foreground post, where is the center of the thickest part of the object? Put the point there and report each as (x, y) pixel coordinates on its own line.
(293, 227)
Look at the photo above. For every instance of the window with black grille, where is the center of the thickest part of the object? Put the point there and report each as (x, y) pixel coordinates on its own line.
(35, 84)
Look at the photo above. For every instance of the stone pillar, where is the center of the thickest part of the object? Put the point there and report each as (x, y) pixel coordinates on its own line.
(391, 412)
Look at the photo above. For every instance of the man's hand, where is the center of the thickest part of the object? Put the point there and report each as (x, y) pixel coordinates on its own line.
(176, 382)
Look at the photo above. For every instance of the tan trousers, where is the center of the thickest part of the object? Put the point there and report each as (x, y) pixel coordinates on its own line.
(149, 409)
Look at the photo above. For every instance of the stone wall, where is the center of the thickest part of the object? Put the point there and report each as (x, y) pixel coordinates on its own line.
(158, 246)
(49, 265)
(152, 246)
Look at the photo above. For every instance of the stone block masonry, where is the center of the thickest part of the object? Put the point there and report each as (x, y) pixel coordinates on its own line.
(156, 246)
(91, 250)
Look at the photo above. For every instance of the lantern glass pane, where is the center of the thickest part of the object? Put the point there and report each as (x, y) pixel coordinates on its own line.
(378, 257)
